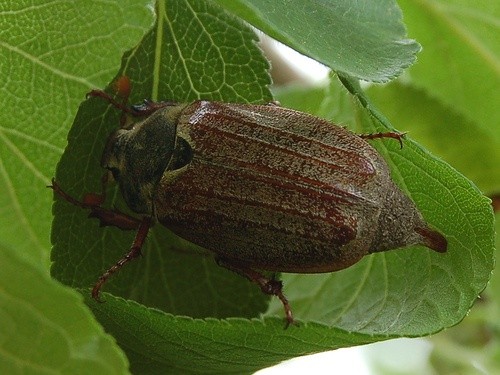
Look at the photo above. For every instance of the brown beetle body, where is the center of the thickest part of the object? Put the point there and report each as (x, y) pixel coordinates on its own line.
(281, 190)
(261, 186)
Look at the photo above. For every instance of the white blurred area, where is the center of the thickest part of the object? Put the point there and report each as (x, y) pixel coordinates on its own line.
(399, 356)
(293, 67)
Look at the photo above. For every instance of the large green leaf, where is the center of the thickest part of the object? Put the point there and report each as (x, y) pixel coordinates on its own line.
(363, 39)
(51, 53)
(46, 328)
(406, 292)
(160, 343)
(460, 61)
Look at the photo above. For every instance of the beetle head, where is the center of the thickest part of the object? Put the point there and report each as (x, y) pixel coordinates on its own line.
(139, 155)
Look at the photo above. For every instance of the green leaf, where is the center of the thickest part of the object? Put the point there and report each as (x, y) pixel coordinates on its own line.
(475, 343)
(462, 143)
(46, 328)
(52, 53)
(363, 39)
(199, 52)
(159, 343)
(407, 292)
(460, 63)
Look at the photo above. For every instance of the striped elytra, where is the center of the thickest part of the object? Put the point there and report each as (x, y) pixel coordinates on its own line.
(282, 190)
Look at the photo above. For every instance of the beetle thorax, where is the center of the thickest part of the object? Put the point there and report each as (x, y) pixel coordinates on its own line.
(138, 157)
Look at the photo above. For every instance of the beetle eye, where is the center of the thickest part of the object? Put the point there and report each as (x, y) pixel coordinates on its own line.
(182, 155)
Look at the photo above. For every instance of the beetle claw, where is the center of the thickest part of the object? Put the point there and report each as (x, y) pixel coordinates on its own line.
(268, 286)
(275, 287)
(394, 135)
(96, 292)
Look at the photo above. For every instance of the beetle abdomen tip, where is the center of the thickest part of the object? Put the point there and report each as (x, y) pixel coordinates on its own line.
(433, 239)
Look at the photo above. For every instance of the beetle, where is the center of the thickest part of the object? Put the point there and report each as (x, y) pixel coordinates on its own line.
(264, 188)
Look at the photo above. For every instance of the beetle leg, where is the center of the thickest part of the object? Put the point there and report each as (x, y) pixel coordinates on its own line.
(107, 217)
(394, 135)
(147, 108)
(268, 286)
(134, 252)
(112, 101)
(91, 199)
